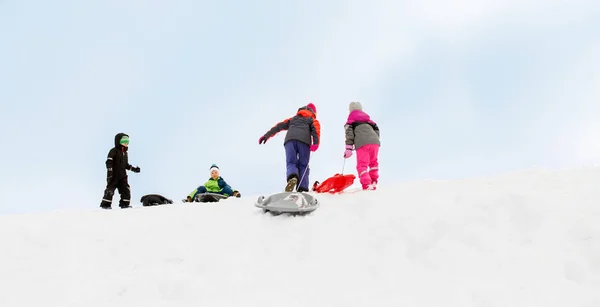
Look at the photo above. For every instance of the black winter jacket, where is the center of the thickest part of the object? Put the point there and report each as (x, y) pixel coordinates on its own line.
(117, 162)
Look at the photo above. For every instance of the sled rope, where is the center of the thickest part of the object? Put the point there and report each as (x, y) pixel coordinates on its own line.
(306, 169)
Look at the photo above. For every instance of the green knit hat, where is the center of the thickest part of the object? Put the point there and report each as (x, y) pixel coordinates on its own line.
(124, 140)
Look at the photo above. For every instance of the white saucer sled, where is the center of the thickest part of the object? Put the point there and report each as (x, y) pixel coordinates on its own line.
(288, 202)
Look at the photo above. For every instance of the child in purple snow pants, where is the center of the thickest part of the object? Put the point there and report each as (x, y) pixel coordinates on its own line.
(297, 156)
(302, 137)
(362, 134)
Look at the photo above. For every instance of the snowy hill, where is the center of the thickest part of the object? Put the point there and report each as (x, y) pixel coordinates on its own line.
(525, 239)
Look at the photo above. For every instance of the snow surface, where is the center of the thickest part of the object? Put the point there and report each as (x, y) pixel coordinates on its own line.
(526, 239)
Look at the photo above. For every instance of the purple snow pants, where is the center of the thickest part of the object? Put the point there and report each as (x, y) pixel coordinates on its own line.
(297, 155)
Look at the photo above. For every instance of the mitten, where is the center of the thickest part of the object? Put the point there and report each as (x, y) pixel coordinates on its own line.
(314, 147)
(262, 140)
(348, 152)
(135, 169)
(237, 194)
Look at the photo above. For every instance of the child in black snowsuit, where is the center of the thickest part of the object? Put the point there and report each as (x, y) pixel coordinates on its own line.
(117, 164)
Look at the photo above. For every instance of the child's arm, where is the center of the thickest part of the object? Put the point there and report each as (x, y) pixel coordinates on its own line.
(284, 125)
(349, 134)
(135, 169)
(315, 132)
(227, 189)
(109, 164)
(376, 128)
(223, 184)
(110, 158)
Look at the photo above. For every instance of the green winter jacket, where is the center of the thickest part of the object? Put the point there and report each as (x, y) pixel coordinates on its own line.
(218, 186)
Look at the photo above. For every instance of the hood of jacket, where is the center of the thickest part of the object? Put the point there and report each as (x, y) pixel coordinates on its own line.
(358, 116)
(306, 112)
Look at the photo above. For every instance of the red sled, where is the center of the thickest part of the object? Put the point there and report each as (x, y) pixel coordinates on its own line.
(334, 184)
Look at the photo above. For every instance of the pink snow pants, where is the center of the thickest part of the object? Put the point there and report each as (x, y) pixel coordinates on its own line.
(367, 164)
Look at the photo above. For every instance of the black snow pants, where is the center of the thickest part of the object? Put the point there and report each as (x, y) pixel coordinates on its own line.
(124, 190)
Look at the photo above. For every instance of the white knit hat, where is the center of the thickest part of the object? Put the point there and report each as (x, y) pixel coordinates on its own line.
(214, 167)
(355, 105)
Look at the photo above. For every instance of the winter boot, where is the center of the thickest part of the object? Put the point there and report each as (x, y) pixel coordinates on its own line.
(291, 184)
(105, 204)
(372, 186)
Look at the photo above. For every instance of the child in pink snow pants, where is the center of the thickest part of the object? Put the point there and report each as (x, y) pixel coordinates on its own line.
(362, 134)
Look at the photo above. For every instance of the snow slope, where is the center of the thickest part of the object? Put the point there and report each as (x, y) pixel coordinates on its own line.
(526, 239)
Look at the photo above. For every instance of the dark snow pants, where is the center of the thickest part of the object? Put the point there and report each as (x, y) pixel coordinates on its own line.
(297, 156)
(124, 190)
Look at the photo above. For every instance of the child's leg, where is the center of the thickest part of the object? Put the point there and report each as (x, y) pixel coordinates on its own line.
(303, 166)
(124, 190)
(291, 159)
(109, 192)
(374, 163)
(199, 190)
(227, 191)
(362, 164)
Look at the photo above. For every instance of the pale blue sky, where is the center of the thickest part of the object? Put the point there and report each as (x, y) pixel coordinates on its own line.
(459, 89)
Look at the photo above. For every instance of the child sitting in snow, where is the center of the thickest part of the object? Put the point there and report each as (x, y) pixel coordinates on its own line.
(362, 134)
(215, 184)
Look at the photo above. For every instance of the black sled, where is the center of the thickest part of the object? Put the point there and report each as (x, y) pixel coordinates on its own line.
(154, 200)
(207, 198)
